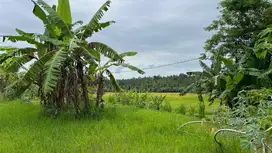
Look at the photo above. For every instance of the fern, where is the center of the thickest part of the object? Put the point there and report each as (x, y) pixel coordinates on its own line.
(52, 70)
(94, 23)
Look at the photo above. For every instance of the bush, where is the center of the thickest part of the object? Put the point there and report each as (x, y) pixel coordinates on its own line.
(112, 99)
(156, 102)
(181, 109)
(140, 99)
(167, 107)
(192, 110)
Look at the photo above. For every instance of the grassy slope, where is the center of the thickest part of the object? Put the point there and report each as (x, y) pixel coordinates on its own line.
(120, 129)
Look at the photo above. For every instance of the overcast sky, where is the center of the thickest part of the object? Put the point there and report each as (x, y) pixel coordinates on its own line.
(161, 31)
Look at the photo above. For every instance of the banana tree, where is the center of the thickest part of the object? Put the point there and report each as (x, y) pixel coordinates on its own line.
(61, 55)
(199, 88)
(100, 69)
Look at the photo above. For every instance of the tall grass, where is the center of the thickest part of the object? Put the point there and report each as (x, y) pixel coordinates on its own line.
(120, 129)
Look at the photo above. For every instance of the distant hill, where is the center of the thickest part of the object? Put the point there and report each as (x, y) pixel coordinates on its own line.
(173, 83)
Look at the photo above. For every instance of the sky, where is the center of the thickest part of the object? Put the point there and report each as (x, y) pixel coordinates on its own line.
(161, 31)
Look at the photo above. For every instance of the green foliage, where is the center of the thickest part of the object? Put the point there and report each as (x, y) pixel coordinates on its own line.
(166, 106)
(55, 19)
(64, 11)
(156, 102)
(192, 110)
(141, 100)
(112, 99)
(181, 109)
(239, 51)
(251, 114)
(52, 71)
(237, 26)
(94, 25)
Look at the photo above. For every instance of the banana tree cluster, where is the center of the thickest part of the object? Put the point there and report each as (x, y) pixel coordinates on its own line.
(62, 58)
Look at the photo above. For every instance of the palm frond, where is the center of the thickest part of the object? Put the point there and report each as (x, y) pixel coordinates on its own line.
(37, 67)
(105, 50)
(52, 70)
(64, 11)
(133, 68)
(187, 90)
(7, 48)
(21, 51)
(27, 34)
(16, 89)
(54, 18)
(38, 12)
(15, 63)
(20, 38)
(90, 54)
(77, 22)
(267, 73)
(89, 32)
(252, 71)
(205, 67)
(122, 55)
(94, 22)
(127, 54)
(113, 81)
(51, 40)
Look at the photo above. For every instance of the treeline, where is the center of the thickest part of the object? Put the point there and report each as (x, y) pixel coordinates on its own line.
(173, 83)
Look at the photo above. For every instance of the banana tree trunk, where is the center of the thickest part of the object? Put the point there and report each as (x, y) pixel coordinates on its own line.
(99, 92)
(84, 86)
(201, 106)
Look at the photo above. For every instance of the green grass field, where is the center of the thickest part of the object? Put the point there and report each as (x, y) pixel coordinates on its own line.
(188, 100)
(123, 129)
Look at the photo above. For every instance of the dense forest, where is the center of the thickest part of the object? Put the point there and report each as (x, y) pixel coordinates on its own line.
(172, 83)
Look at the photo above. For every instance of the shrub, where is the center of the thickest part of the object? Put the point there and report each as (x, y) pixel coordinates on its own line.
(167, 107)
(192, 110)
(141, 99)
(156, 102)
(181, 109)
(112, 99)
